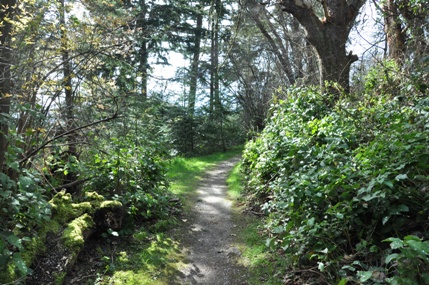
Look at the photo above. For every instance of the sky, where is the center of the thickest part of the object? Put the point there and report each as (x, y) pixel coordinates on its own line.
(363, 35)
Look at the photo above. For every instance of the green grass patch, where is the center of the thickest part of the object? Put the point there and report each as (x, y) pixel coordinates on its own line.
(149, 259)
(185, 173)
(235, 184)
(264, 265)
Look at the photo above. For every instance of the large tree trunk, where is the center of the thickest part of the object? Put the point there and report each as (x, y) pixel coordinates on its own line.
(7, 11)
(395, 38)
(193, 82)
(328, 35)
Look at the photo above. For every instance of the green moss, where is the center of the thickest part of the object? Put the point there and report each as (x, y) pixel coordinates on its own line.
(73, 235)
(95, 198)
(65, 210)
(8, 275)
(110, 204)
(61, 207)
(81, 208)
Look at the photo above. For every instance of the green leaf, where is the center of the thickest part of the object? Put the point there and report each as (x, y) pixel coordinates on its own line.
(25, 182)
(278, 230)
(388, 183)
(411, 237)
(385, 219)
(343, 282)
(395, 243)
(20, 264)
(364, 275)
(269, 242)
(391, 257)
(419, 246)
(15, 241)
(401, 177)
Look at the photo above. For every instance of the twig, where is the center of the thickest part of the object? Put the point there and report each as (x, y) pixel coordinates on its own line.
(77, 182)
(35, 151)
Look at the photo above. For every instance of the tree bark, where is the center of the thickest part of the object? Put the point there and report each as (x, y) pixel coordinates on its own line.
(215, 102)
(328, 35)
(143, 53)
(67, 81)
(194, 65)
(7, 11)
(395, 38)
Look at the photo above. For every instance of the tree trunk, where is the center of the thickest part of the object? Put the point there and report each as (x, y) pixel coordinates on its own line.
(143, 53)
(328, 35)
(214, 55)
(7, 11)
(415, 25)
(395, 38)
(194, 65)
(67, 81)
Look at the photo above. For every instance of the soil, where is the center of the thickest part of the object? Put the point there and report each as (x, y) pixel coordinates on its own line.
(209, 236)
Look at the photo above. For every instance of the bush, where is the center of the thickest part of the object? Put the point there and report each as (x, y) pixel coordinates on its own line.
(132, 174)
(23, 209)
(337, 182)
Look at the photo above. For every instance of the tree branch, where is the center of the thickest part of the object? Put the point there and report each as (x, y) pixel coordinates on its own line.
(35, 151)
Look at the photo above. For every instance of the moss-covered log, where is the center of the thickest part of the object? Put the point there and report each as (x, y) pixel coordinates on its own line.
(65, 235)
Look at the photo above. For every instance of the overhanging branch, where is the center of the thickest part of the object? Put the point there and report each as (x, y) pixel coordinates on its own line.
(66, 133)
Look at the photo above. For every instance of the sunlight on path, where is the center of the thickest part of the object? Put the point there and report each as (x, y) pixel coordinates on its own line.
(211, 254)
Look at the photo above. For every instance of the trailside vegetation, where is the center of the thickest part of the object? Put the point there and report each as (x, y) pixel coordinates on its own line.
(345, 188)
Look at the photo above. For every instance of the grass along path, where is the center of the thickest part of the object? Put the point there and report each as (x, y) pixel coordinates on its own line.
(156, 254)
(150, 254)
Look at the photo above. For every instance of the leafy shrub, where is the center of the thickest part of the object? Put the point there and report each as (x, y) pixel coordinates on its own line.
(337, 182)
(23, 209)
(133, 174)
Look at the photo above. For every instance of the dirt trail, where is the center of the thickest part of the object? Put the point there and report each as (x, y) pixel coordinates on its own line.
(212, 256)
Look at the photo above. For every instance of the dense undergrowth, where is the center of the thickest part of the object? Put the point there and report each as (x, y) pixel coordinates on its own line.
(346, 187)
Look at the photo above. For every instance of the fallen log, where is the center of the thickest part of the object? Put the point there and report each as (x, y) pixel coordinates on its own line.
(71, 225)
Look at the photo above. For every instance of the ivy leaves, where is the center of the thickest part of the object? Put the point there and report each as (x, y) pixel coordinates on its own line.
(341, 180)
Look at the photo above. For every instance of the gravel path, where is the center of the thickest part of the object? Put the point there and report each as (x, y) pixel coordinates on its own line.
(212, 257)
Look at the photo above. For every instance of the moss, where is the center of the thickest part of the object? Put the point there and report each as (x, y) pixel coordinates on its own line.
(61, 207)
(110, 204)
(95, 198)
(8, 275)
(73, 237)
(64, 209)
(81, 208)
